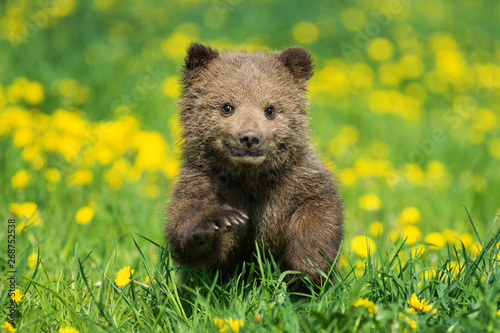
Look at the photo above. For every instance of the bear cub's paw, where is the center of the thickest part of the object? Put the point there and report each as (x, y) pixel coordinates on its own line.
(218, 223)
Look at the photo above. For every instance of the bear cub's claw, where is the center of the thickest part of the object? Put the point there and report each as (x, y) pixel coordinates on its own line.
(218, 223)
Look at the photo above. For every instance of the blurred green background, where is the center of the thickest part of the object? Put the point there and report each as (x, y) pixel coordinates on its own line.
(404, 108)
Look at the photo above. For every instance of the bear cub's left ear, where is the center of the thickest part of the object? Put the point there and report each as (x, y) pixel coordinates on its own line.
(198, 56)
(298, 61)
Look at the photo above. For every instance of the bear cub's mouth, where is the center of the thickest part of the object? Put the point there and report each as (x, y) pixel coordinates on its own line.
(241, 153)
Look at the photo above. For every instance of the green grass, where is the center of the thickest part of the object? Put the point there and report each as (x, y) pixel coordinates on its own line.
(82, 294)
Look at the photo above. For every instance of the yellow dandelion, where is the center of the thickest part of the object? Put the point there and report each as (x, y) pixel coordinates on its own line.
(123, 276)
(175, 46)
(362, 245)
(84, 215)
(421, 306)
(20, 179)
(52, 175)
(369, 202)
(412, 66)
(428, 273)
(380, 49)
(220, 324)
(223, 324)
(32, 260)
(23, 136)
(411, 233)
(8, 327)
(413, 173)
(369, 305)
(305, 32)
(410, 322)
(68, 330)
(498, 312)
(494, 147)
(33, 92)
(436, 240)
(466, 239)
(62, 9)
(17, 296)
(359, 266)
(27, 212)
(170, 87)
(347, 176)
(476, 249)
(376, 228)
(80, 177)
(172, 167)
(436, 170)
(394, 235)
(235, 324)
(409, 215)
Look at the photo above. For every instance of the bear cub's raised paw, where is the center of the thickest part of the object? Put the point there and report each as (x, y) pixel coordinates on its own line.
(217, 223)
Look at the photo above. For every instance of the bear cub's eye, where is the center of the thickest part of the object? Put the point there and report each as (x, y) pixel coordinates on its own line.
(227, 109)
(269, 112)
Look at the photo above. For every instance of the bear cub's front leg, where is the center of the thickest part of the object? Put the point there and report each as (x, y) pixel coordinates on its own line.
(216, 223)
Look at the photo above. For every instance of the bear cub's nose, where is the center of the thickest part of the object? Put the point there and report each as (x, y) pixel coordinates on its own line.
(249, 139)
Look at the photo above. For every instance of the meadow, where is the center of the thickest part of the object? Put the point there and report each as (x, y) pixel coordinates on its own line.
(405, 107)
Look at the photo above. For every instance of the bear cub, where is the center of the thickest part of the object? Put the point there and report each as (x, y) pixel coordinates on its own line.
(249, 172)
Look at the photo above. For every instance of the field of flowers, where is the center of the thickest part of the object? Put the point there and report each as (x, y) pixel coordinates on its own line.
(405, 107)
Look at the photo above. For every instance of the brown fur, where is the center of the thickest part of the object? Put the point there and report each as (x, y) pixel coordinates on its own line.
(224, 202)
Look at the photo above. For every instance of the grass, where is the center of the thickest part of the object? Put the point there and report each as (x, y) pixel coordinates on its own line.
(409, 123)
(83, 294)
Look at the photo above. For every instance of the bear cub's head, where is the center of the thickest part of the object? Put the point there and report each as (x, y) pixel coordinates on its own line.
(244, 111)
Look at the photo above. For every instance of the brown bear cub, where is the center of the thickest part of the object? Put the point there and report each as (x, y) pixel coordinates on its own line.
(250, 173)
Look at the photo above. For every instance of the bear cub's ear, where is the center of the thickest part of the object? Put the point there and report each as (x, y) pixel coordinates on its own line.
(298, 61)
(198, 56)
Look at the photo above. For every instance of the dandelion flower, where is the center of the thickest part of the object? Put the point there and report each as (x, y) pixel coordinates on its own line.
(68, 330)
(380, 49)
(32, 260)
(52, 175)
(235, 324)
(421, 306)
(410, 322)
(410, 215)
(305, 32)
(33, 92)
(84, 215)
(16, 296)
(362, 245)
(220, 324)
(224, 324)
(411, 234)
(171, 87)
(27, 211)
(20, 179)
(369, 202)
(376, 228)
(8, 327)
(80, 177)
(123, 276)
(436, 240)
(369, 305)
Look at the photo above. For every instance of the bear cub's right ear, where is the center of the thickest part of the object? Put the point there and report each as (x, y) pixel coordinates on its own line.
(198, 56)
